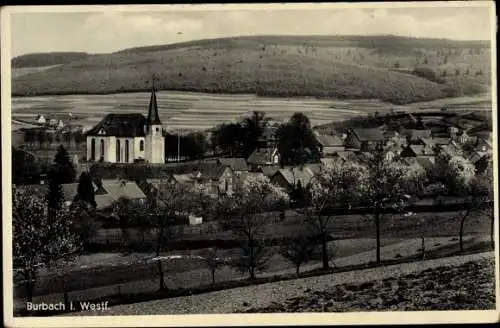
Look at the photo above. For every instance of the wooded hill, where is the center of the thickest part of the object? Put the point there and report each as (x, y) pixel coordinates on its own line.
(342, 67)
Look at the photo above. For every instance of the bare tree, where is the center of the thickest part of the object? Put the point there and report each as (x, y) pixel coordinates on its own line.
(299, 251)
(213, 260)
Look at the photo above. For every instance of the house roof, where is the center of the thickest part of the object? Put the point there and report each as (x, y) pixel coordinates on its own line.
(327, 140)
(416, 134)
(294, 175)
(368, 134)
(441, 141)
(477, 155)
(206, 170)
(120, 125)
(421, 150)
(269, 171)
(429, 142)
(235, 163)
(117, 189)
(261, 156)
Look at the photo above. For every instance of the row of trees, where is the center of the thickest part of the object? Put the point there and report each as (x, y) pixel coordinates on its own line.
(295, 139)
(42, 137)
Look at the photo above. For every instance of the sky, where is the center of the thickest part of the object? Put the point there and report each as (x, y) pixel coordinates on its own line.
(106, 31)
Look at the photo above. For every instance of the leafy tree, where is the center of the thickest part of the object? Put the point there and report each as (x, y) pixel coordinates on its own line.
(457, 72)
(296, 141)
(254, 126)
(55, 195)
(63, 167)
(246, 214)
(85, 189)
(229, 138)
(396, 65)
(25, 170)
(383, 189)
(336, 185)
(39, 239)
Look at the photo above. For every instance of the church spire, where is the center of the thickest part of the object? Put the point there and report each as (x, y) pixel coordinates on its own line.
(153, 117)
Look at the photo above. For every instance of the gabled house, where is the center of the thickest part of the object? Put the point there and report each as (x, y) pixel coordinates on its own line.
(214, 178)
(329, 144)
(40, 119)
(237, 164)
(261, 157)
(417, 151)
(269, 171)
(414, 135)
(110, 191)
(365, 140)
(289, 178)
(480, 159)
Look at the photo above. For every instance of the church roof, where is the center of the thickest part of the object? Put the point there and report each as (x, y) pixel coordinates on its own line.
(153, 117)
(120, 125)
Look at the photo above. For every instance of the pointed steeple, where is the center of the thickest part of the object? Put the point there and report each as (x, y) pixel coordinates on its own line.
(153, 117)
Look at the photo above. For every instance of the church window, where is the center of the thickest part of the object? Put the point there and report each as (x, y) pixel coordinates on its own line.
(92, 149)
(118, 151)
(141, 145)
(102, 149)
(157, 129)
(126, 152)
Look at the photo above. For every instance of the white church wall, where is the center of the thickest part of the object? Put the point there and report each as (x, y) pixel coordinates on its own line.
(137, 148)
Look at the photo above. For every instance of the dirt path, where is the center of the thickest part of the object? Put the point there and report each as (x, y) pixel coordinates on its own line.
(240, 299)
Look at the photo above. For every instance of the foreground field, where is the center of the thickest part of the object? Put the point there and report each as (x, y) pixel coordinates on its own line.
(470, 286)
(265, 295)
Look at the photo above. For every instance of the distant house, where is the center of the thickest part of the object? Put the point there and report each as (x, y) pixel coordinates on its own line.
(290, 177)
(483, 144)
(426, 163)
(417, 151)
(441, 141)
(263, 157)
(451, 149)
(40, 119)
(365, 140)
(480, 159)
(53, 122)
(110, 191)
(237, 164)
(329, 144)
(214, 178)
(429, 142)
(269, 171)
(414, 135)
(60, 124)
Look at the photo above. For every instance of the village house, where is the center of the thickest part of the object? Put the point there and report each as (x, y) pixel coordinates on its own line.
(40, 119)
(262, 157)
(269, 171)
(365, 140)
(125, 138)
(480, 159)
(237, 164)
(290, 178)
(329, 144)
(417, 151)
(415, 135)
(213, 178)
(107, 192)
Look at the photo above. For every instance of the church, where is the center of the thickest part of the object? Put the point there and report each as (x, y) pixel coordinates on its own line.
(127, 138)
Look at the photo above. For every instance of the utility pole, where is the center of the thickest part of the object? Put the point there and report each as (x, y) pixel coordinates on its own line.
(178, 147)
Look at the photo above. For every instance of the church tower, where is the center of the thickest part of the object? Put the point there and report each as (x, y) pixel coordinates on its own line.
(155, 142)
